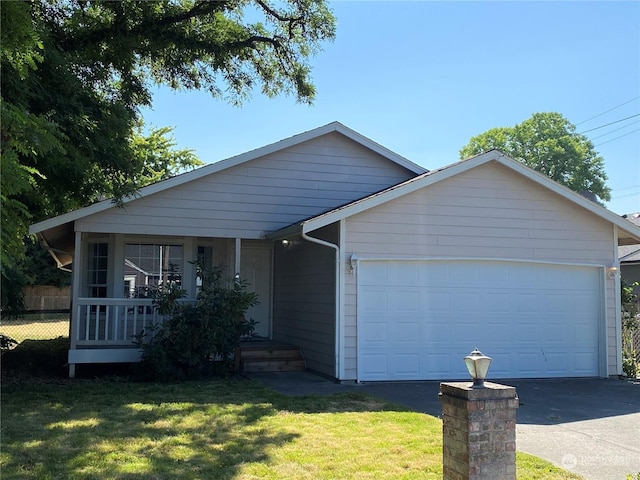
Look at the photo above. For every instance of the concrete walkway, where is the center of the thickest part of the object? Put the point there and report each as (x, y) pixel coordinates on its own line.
(587, 426)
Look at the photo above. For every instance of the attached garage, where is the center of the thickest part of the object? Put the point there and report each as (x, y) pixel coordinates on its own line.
(485, 253)
(417, 319)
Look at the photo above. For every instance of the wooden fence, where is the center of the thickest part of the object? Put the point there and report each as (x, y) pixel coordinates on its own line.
(46, 297)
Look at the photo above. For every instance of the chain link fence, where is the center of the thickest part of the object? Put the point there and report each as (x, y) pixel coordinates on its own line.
(46, 316)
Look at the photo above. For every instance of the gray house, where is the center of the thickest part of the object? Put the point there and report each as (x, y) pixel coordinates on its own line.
(376, 268)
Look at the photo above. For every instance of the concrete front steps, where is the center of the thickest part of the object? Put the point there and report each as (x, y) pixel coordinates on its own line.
(269, 356)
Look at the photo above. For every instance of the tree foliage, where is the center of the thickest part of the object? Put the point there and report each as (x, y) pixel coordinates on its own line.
(548, 143)
(75, 74)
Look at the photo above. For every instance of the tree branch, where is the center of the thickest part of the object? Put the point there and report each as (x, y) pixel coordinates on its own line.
(204, 7)
(275, 14)
(251, 41)
(292, 21)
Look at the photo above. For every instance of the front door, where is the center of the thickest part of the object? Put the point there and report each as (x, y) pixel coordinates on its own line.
(255, 269)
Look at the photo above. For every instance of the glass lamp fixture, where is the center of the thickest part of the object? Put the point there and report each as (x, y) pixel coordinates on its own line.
(478, 365)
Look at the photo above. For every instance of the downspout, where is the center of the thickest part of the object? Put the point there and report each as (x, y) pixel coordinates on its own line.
(337, 301)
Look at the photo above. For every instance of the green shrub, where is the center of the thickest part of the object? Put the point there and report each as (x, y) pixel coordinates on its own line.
(198, 339)
(41, 358)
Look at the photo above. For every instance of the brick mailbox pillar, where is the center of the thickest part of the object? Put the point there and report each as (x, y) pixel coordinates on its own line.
(478, 431)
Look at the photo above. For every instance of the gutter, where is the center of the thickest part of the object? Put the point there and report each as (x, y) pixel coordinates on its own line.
(336, 248)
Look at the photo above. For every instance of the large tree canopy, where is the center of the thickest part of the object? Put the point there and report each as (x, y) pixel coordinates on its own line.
(76, 72)
(548, 143)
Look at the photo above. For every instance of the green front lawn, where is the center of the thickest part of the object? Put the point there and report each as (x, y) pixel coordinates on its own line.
(231, 429)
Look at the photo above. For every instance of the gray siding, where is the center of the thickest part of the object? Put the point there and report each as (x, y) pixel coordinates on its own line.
(304, 300)
(259, 196)
(486, 212)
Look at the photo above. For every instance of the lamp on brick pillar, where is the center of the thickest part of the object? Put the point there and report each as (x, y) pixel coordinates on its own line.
(478, 426)
(478, 366)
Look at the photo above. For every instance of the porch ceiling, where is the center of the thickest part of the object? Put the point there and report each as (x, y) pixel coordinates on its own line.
(60, 243)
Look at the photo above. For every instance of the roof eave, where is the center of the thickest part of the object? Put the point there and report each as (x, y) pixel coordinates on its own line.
(293, 230)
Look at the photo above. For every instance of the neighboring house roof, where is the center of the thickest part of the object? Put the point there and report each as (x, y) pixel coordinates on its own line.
(628, 233)
(630, 254)
(59, 230)
(130, 264)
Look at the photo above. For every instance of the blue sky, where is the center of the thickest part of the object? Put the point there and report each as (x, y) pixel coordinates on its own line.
(422, 78)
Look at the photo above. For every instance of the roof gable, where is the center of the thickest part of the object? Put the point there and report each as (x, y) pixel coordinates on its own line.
(628, 233)
(214, 168)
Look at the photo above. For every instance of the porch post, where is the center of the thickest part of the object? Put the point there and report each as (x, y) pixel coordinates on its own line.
(76, 276)
(237, 259)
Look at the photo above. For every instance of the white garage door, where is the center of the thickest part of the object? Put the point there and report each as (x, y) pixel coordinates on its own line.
(418, 319)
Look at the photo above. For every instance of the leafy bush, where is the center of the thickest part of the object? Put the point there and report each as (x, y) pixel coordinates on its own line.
(198, 339)
(41, 358)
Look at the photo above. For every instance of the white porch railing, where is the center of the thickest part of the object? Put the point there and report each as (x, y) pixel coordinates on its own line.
(112, 321)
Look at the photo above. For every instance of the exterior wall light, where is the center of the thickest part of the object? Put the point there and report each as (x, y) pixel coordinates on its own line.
(353, 263)
(478, 366)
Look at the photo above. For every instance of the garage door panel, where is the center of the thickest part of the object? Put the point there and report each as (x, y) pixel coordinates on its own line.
(556, 363)
(583, 304)
(501, 364)
(526, 364)
(376, 332)
(374, 366)
(495, 302)
(555, 334)
(437, 333)
(554, 304)
(471, 333)
(534, 320)
(466, 302)
(436, 302)
(495, 332)
(584, 361)
(526, 302)
(525, 332)
(438, 364)
(375, 300)
(406, 364)
(406, 332)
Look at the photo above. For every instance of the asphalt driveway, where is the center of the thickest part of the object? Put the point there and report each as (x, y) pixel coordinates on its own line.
(588, 426)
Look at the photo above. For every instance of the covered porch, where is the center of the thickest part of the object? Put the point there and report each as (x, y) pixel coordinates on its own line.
(114, 277)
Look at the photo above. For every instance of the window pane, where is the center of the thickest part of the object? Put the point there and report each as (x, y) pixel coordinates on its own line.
(98, 263)
(101, 277)
(146, 266)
